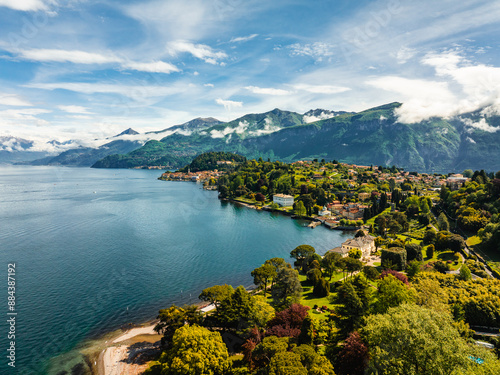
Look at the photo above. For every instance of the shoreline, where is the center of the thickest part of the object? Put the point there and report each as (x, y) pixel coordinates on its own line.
(124, 352)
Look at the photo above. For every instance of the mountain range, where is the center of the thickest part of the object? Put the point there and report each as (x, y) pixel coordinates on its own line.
(374, 136)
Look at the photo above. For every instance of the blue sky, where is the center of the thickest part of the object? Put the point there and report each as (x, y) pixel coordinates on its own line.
(77, 68)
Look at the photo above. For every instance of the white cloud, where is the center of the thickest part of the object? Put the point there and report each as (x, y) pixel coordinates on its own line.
(151, 67)
(26, 5)
(229, 104)
(135, 92)
(462, 87)
(240, 129)
(200, 51)
(73, 56)
(243, 38)
(13, 100)
(481, 125)
(471, 140)
(321, 89)
(267, 91)
(422, 99)
(317, 50)
(83, 57)
(322, 116)
(74, 109)
(405, 54)
(208, 85)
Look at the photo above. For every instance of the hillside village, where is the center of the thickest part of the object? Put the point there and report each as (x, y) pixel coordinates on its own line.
(423, 261)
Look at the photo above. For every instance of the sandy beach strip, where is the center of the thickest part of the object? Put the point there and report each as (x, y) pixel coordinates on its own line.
(114, 360)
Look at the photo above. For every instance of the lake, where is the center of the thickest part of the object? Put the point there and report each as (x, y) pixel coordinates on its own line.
(99, 248)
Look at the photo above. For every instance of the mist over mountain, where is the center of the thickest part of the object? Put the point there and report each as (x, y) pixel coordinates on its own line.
(374, 136)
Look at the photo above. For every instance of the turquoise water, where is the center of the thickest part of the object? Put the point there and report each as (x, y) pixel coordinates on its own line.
(96, 249)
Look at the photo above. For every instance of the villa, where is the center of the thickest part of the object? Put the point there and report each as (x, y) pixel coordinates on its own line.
(365, 243)
(283, 200)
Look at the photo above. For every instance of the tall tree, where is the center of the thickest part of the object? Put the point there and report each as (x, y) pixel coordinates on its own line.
(410, 339)
(262, 275)
(196, 351)
(287, 289)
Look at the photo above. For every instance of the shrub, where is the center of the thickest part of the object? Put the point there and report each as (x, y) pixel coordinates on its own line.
(413, 252)
(441, 266)
(398, 275)
(395, 255)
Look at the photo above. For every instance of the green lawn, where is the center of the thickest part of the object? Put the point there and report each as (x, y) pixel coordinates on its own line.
(308, 299)
(444, 256)
(473, 241)
(372, 220)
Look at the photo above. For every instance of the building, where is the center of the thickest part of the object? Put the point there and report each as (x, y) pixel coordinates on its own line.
(365, 243)
(283, 200)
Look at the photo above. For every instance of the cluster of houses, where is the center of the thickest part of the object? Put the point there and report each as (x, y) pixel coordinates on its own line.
(201, 176)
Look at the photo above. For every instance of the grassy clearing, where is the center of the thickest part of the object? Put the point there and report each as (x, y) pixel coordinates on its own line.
(473, 241)
(372, 220)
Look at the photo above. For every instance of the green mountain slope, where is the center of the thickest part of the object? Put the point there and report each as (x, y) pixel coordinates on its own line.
(373, 136)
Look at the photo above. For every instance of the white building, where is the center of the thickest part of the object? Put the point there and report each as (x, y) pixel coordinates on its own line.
(283, 200)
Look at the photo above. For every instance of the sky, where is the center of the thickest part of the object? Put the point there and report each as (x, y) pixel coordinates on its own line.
(91, 69)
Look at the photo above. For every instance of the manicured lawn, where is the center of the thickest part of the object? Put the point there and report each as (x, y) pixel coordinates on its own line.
(472, 241)
(444, 256)
(308, 299)
(372, 220)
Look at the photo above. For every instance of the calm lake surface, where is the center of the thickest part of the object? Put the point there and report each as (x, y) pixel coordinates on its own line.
(96, 249)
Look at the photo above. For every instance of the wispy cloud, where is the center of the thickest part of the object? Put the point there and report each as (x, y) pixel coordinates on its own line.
(200, 51)
(27, 5)
(151, 67)
(243, 38)
(83, 57)
(229, 104)
(72, 56)
(317, 50)
(74, 109)
(321, 89)
(13, 100)
(267, 90)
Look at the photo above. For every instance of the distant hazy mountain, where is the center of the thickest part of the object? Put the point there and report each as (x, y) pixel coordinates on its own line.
(374, 136)
(13, 149)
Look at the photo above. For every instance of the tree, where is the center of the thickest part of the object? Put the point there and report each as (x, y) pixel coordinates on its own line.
(262, 275)
(352, 303)
(391, 292)
(443, 223)
(430, 251)
(301, 252)
(430, 236)
(314, 276)
(353, 358)
(355, 253)
(288, 322)
(329, 263)
(315, 363)
(196, 351)
(465, 273)
(395, 255)
(175, 317)
(413, 252)
(300, 209)
(321, 288)
(216, 294)
(287, 289)
(411, 339)
(352, 265)
(286, 363)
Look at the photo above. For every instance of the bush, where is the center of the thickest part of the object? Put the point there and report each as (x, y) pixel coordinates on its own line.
(413, 252)
(371, 272)
(398, 275)
(395, 255)
(441, 266)
(430, 251)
